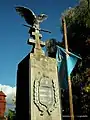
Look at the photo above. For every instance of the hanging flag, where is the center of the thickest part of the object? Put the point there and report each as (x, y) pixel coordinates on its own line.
(65, 66)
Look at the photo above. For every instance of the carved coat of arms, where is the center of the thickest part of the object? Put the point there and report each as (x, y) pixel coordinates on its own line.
(44, 95)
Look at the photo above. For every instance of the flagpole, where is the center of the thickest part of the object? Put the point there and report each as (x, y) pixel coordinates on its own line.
(69, 79)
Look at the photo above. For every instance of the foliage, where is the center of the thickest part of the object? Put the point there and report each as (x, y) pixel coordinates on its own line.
(11, 115)
(80, 87)
(78, 34)
(78, 28)
(51, 47)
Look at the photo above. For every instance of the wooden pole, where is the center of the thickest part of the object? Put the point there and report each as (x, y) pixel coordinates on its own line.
(69, 80)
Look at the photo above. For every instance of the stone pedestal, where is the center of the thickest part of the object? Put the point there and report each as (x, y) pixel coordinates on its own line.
(38, 96)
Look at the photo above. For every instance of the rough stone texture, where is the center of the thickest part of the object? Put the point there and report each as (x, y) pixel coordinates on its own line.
(37, 96)
(44, 90)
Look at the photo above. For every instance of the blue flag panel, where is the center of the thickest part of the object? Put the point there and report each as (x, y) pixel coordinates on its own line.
(65, 66)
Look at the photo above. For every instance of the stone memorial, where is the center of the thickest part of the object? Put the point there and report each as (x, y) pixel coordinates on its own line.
(38, 96)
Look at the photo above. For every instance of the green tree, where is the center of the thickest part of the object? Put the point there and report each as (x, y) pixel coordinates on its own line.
(78, 34)
(11, 115)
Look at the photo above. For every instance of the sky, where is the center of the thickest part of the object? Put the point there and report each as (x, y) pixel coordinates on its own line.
(14, 36)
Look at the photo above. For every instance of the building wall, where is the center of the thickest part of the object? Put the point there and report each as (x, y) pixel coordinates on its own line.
(2, 104)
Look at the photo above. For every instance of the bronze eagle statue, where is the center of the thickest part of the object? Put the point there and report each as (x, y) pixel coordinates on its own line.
(30, 17)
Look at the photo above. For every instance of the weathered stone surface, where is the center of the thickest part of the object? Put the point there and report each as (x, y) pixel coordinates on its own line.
(38, 95)
(44, 90)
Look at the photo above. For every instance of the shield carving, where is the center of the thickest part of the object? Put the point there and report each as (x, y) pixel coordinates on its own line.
(45, 95)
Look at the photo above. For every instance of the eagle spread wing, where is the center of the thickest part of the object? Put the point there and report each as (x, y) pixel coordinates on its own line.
(28, 14)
